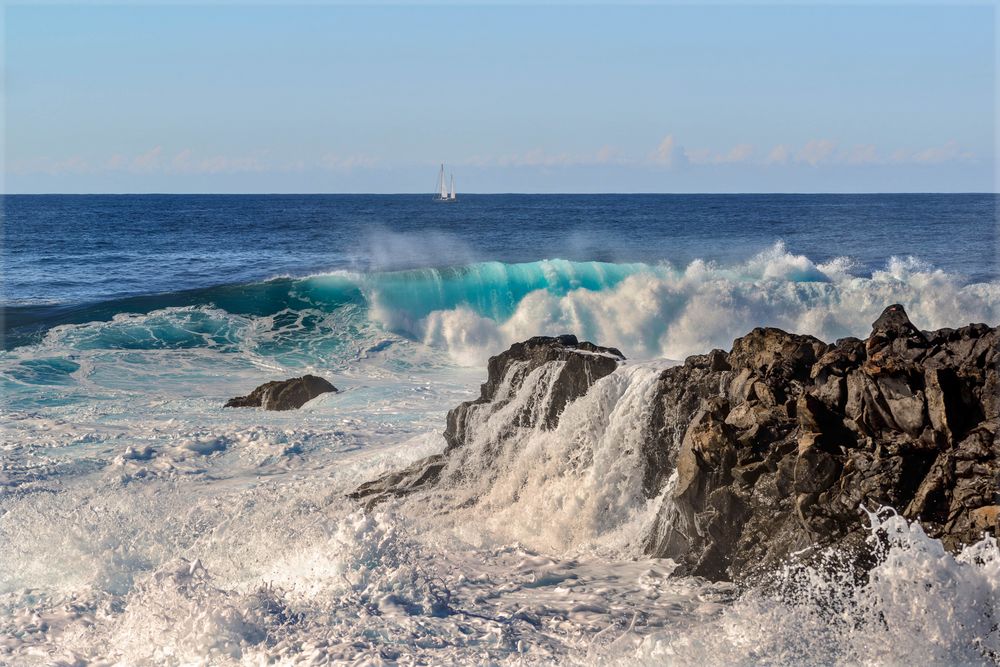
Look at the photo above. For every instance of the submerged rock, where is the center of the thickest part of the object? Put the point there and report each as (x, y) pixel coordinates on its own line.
(775, 446)
(288, 394)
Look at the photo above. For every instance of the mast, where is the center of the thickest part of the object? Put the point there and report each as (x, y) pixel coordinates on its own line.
(452, 187)
(441, 187)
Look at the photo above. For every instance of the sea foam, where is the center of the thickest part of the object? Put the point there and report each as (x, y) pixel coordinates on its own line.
(673, 313)
(469, 312)
(144, 524)
(919, 605)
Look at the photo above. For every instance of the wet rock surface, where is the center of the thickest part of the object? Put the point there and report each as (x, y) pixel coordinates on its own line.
(583, 363)
(777, 445)
(574, 367)
(288, 394)
(782, 449)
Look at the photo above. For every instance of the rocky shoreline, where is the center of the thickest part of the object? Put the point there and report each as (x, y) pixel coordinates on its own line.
(774, 448)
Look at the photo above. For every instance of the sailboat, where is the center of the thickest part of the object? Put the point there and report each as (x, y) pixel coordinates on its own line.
(443, 194)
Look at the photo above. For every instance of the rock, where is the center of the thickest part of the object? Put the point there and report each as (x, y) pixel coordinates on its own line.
(776, 445)
(769, 352)
(423, 473)
(906, 419)
(584, 363)
(986, 519)
(680, 392)
(288, 394)
(816, 469)
(568, 368)
(893, 333)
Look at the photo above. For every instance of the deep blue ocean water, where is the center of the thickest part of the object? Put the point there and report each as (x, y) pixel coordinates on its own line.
(79, 258)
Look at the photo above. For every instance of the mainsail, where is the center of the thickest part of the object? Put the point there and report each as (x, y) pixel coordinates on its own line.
(441, 187)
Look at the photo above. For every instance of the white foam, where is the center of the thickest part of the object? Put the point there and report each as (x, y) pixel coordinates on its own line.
(920, 606)
(673, 314)
(574, 489)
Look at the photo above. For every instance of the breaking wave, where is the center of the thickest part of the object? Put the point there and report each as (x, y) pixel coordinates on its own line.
(469, 312)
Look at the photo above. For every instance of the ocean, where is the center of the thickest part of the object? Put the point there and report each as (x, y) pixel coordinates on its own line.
(142, 523)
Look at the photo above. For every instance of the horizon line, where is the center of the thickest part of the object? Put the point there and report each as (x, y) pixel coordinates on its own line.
(431, 195)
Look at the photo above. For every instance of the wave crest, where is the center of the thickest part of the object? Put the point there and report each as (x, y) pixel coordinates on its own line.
(470, 312)
(668, 313)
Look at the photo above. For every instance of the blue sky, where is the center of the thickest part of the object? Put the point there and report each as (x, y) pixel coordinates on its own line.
(120, 98)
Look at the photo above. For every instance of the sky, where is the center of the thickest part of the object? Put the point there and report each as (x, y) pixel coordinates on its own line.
(665, 98)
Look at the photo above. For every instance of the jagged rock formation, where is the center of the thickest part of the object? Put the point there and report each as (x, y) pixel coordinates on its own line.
(798, 435)
(288, 394)
(777, 444)
(573, 366)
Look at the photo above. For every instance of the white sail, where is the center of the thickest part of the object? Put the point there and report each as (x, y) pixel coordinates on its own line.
(441, 185)
(452, 196)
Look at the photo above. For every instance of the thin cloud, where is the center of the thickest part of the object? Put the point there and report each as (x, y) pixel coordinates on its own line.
(182, 160)
(187, 162)
(861, 154)
(738, 153)
(948, 152)
(778, 155)
(607, 155)
(815, 151)
(537, 157)
(45, 165)
(346, 162)
(824, 152)
(668, 152)
(148, 161)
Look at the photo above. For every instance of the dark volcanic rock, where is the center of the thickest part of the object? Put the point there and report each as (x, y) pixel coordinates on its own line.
(283, 395)
(798, 436)
(584, 364)
(774, 447)
(573, 367)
